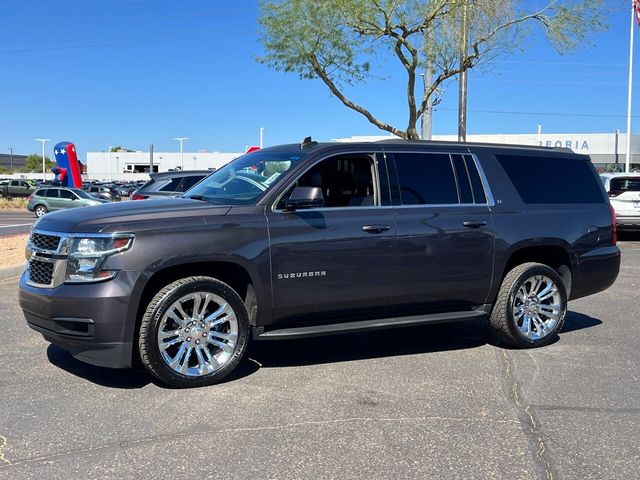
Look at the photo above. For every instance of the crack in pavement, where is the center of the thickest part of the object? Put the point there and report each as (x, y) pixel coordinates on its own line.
(183, 435)
(528, 421)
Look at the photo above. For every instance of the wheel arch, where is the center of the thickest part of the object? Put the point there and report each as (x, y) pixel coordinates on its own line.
(234, 274)
(554, 254)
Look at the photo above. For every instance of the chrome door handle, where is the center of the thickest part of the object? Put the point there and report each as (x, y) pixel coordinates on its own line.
(376, 228)
(474, 224)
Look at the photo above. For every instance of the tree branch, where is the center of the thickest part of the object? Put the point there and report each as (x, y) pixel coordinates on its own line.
(315, 64)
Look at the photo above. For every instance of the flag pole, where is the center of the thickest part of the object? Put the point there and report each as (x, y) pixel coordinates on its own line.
(628, 157)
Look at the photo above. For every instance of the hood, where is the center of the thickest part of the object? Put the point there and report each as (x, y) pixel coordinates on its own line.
(131, 216)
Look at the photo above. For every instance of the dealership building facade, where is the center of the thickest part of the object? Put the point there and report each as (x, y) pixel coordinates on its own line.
(137, 165)
(606, 150)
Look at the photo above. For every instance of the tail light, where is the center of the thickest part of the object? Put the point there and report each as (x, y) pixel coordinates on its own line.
(29, 198)
(135, 196)
(614, 236)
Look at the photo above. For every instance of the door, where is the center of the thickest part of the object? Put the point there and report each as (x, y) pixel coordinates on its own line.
(445, 238)
(334, 260)
(53, 201)
(68, 199)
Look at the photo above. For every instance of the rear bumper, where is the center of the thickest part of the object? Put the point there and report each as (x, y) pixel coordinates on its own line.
(90, 321)
(595, 271)
(628, 222)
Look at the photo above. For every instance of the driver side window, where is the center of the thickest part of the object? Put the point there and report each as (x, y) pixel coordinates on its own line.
(345, 181)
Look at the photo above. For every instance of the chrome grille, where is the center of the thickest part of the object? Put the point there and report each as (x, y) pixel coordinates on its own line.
(45, 242)
(40, 272)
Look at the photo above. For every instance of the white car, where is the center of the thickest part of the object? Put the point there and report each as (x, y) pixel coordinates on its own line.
(624, 194)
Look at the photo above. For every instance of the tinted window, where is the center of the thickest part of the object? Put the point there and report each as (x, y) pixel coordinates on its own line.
(40, 193)
(426, 179)
(51, 193)
(626, 184)
(464, 184)
(479, 195)
(66, 194)
(172, 186)
(552, 179)
(189, 182)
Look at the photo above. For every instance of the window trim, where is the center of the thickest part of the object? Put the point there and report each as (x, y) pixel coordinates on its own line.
(489, 200)
(376, 180)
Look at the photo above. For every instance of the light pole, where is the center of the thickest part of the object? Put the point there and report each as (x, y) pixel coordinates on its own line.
(181, 139)
(110, 148)
(43, 140)
(11, 150)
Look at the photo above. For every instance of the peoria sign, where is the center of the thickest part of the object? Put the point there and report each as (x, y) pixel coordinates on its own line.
(575, 145)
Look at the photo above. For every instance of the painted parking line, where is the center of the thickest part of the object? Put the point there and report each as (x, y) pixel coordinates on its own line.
(19, 225)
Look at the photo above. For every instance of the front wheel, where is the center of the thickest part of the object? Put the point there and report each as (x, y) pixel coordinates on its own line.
(194, 332)
(531, 306)
(40, 210)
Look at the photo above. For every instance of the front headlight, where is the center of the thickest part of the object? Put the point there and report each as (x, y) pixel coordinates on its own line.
(87, 255)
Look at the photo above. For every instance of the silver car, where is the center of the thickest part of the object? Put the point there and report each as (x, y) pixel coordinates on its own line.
(50, 199)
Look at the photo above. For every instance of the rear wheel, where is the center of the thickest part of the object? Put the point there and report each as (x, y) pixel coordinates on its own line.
(531, 306)
(40, 210)
(194, 332)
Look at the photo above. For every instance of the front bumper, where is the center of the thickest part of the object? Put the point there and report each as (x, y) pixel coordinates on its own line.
(92, 321)
(595, 271)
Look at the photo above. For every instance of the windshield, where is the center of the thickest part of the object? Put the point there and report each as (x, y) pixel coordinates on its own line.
(245, 179)
(82, 194)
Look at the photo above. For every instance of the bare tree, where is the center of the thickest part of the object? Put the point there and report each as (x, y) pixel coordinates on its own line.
(338, 41)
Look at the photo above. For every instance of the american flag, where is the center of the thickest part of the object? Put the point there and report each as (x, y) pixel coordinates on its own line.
(68, 168)
(636, 8)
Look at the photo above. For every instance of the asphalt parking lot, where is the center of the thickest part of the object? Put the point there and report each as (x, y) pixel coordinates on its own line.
(428, 402)
(15, 222)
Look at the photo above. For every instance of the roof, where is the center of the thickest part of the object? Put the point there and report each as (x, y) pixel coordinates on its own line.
(430, 143)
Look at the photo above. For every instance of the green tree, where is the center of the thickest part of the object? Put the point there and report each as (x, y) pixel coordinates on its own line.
(34, 163)
(120, 149)
(345, 42)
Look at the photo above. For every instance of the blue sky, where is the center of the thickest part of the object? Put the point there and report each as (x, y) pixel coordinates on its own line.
(135, 72)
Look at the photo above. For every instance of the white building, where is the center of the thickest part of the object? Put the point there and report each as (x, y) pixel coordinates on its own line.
(604, 148)
(137, 165)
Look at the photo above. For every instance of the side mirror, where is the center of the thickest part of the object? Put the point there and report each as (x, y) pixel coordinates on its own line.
(305, 197)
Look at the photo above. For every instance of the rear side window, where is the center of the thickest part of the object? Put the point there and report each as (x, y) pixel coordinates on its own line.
(39, 193)
(51, 193)
(189, 182)
(426, 179)
(552, 179)
(172, 186)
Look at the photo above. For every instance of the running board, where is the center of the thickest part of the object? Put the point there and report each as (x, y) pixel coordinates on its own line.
(365, 325)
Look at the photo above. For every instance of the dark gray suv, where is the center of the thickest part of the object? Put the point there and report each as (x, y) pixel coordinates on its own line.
(311, 239)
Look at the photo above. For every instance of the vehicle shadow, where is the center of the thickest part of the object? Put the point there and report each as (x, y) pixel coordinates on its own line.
(327, 349)
(629, 236)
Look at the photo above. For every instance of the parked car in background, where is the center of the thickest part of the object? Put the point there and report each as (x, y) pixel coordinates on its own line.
(169, 184)
(624, 195)
(17, 188)
(50, 199)
(104, 192)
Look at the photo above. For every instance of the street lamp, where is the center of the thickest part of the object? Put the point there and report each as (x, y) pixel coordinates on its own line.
(43, 140)
(11, 150)
(181, 139)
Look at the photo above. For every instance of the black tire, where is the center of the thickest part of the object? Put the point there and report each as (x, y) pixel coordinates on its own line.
(150, 354)
(40, 208)
(502, 321)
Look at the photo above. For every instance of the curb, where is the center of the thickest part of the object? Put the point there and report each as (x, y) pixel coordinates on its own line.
(11, 272)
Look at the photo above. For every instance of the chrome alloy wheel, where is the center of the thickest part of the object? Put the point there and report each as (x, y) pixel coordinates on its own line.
(198, 334)
(537, 307)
